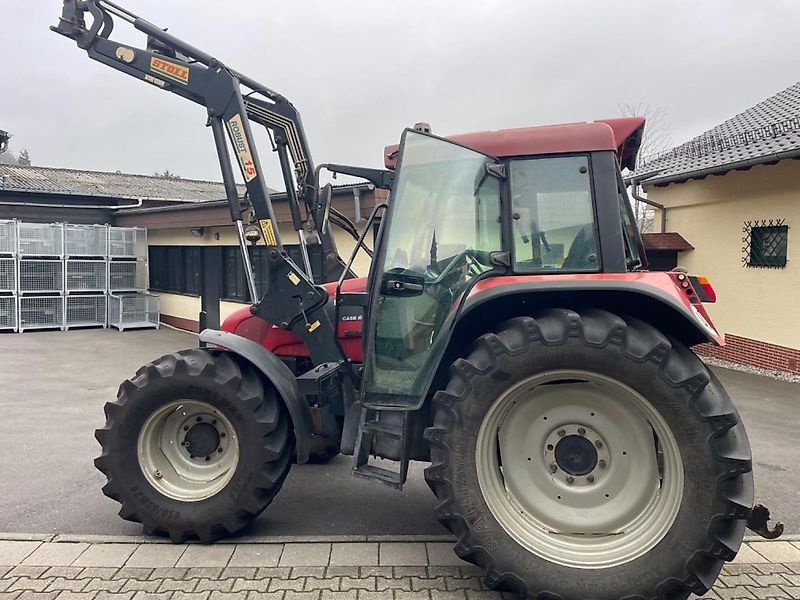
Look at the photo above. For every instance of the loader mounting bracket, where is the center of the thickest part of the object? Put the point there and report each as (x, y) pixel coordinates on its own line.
(759, 522)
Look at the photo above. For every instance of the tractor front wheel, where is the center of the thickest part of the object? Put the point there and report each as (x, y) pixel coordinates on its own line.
(195, 445)
(589, 456)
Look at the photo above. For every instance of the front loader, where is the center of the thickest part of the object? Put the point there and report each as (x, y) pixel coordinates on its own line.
(509, 333)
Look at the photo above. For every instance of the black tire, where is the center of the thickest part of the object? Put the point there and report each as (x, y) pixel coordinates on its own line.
(323, 449)
(237, 392)
(714, 450)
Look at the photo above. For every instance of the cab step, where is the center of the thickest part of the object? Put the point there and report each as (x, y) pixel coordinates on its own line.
(372, 424)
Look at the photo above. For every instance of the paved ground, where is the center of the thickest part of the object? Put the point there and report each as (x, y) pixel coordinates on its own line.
(34, 570)
(55, 384)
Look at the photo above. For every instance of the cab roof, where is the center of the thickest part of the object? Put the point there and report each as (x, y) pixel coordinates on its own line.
(622, 136)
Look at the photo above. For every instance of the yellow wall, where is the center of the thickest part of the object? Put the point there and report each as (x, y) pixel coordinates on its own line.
(188, 307)
(756, 303)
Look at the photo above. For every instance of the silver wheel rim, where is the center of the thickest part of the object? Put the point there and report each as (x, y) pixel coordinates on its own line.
(541, 492)
(176, 454)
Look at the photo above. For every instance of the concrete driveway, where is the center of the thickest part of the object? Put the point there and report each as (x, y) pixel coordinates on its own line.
(54, 386)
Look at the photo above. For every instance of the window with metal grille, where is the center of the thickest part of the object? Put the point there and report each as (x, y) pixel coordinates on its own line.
(765, 243)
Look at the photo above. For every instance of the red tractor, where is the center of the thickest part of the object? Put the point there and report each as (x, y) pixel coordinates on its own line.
(509, 333)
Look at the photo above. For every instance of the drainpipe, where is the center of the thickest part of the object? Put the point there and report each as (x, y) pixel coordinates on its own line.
(661, 207)
(76, 206)
(357, 203)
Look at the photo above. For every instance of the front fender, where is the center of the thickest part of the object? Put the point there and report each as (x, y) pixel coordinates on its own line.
(278, 374)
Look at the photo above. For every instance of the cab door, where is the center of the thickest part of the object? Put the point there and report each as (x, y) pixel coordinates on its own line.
(443, 222)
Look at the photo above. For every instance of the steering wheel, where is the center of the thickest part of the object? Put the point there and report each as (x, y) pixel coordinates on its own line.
(475, 259)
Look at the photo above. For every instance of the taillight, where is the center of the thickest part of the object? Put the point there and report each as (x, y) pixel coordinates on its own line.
(704, 289)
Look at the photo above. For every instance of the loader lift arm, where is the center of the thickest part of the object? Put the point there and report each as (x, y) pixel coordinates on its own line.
(291, 299)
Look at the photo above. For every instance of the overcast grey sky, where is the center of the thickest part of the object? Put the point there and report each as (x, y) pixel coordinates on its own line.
(361, 71)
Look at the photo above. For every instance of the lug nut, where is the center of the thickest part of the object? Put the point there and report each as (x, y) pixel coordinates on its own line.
(186, 428)
(553, 467)
(561, 433)
(598, 443)
(601, 464)
(219, 449)
(570, 479)
(208, 458)
(590, 478)
(581, 431)
(199, 419)
(158, 475)
(222, 434)
(213, 421)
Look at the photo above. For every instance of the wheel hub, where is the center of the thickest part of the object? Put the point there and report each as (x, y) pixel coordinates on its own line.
(202, 440)
(575, 455)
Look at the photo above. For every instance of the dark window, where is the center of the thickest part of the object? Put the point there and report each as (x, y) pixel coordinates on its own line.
(233, 283)
(175, 269)
(766, 244)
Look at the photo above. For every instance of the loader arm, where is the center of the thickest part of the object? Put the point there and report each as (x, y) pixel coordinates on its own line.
(232, 100)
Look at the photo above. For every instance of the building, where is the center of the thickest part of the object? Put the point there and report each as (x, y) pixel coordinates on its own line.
(194, 258)
(727, 206)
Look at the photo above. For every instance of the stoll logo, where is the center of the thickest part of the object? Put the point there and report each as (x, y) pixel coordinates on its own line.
(242, 148)
(170, 70)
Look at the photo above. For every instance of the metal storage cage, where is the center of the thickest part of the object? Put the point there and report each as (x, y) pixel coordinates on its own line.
(8, 313)
(41, 312)
(41, 276)
(85, 240)
(8, 275)
(40, 239)
(129, 311)
(86, 276)
(127, 275)
(8, 237)
(85, 311)
(127, 242)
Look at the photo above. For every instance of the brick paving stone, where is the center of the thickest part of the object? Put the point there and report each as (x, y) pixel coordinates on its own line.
(291, 595)
(55, 554)
(276, 585)
(366, 595)
(410, 572)
(9, 595)
(776, 552)
(29, 583)
(203, 573)
(386, 583)
(228, 596)
(136, 585)
(403, 554)
(97, 573)
(769, 568)
(472, 571)
(25, 571)
(197, 555)
(6, 583)
(155, 555)
(68, 572)
(177, 585)
(765, 580)
(106, 585)
(794, 567)
(345, 572)
(329, 595)
(190, 596)
(214, 585)
(29, 595)
(248, 585)
(4, 570)
(256, 555)
(326, 583)
(444, 572)
(12, 552)
(421, 595)
(484, 595)
(169, 573)
(139, 573)
(152, 596)
(738, 569)
(369, 571)
(442, 555)
(792, 578)
(792, 591)
(105, 555)
(238, 572)
(436, 583)
(463, 583)
(305, 555)
(354, 554)
(66, 595)
(456, 595)
(262, 596)
(307, 572)
(734, 580)
(278, 572)
(772, 591)
(113, 596)
(362, 583)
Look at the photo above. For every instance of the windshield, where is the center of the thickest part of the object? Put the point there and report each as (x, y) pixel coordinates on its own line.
(444, 223)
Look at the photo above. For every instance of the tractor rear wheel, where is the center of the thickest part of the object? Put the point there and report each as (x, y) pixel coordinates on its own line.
(195, 445)
(589, 456)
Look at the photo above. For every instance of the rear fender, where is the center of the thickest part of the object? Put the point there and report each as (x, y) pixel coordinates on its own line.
(278, 374)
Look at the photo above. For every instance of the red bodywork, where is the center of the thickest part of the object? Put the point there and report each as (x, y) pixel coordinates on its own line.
(284, 343)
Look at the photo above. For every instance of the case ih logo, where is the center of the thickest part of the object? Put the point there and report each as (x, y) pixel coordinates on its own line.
(242, 148)
(175, 72)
